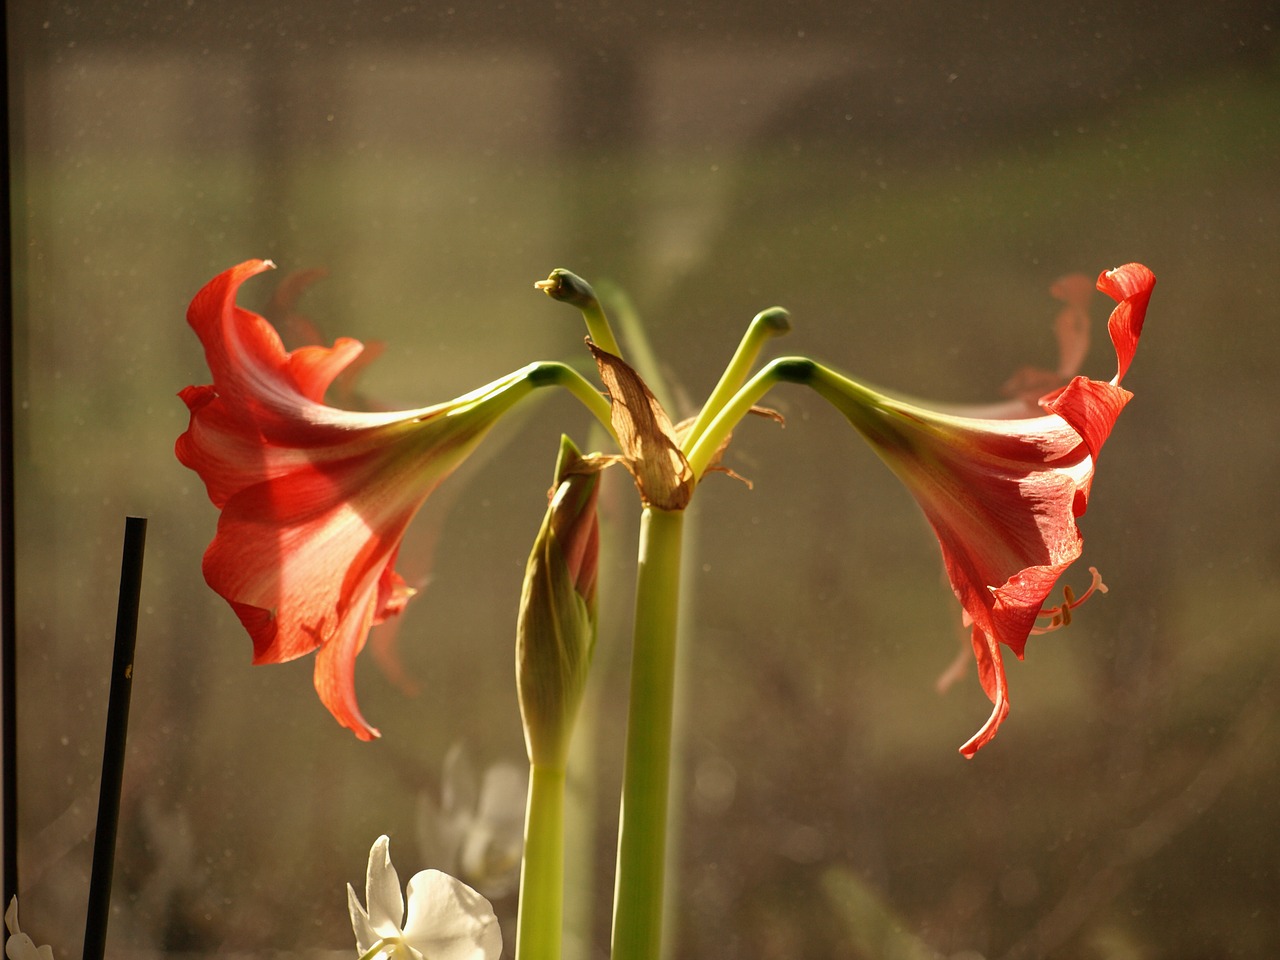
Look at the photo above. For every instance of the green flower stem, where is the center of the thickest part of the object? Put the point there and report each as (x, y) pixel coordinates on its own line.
(764, 326)
(598, 328)
(844, 394)
(865, 408)
(553, 373)
(642, 825)
(540, 919)
(785, 369)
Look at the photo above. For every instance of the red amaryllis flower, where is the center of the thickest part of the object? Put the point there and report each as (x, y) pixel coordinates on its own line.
(1003, 496)
(314, 499)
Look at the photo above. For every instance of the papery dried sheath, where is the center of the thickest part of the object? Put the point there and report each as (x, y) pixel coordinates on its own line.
(650, 446)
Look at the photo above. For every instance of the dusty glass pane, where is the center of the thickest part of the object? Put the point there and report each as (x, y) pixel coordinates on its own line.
(908, 181)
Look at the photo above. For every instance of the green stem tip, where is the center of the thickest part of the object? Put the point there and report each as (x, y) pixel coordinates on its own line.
(766, 325)
(567, 287)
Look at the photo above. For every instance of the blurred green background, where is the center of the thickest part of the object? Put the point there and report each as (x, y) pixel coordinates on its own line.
(908, 179)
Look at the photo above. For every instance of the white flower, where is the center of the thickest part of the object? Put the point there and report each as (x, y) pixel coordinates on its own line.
(477, 831)
(19, 946)
(447, 920)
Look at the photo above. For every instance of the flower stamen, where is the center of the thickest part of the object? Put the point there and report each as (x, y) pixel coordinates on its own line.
(1060, 616)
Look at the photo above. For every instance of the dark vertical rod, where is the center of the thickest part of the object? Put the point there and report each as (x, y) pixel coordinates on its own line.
(104, 841)
(8, 551)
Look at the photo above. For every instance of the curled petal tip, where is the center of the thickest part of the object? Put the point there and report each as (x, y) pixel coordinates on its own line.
(249, 268)
(1126, 280)
(1130, 286)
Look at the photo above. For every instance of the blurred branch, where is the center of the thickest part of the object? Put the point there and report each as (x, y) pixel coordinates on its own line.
(874, 929)
(1099, 882)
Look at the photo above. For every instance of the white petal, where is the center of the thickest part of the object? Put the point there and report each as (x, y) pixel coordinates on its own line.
(382, 896)
(366, 936)
(490, 853)
(11, 916)
(22, 947)
(450, 921)
(460, 791)
(502, 794)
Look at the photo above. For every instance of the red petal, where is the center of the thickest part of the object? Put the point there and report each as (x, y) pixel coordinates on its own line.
(1131, 285)
(314, 368)
(991, 673)
(335, 673)
(303, 546)
(1071, 326)
(247, 358)
(1091, 408)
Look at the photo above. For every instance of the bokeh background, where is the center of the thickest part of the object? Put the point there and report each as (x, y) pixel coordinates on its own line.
(909, 179)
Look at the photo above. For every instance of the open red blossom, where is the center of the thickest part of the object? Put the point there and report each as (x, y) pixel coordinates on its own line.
(1003, 496)
(314, 499)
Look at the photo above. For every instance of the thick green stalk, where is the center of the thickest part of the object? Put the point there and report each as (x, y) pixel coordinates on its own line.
(540, 920)
(642, 825)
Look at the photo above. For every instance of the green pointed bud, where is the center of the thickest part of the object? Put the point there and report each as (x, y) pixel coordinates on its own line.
(556, 628)
(567, 287)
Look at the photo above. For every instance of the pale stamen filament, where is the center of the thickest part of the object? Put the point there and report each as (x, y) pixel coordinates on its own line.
(1060, 616)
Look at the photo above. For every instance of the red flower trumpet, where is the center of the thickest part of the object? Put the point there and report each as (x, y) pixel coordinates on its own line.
(1003, 496)
(314, 499)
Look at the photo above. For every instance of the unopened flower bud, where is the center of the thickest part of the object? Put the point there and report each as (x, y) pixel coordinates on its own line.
(556, 629)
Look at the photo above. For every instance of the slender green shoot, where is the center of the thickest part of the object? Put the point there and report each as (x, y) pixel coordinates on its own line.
(766, 325)
(784, 369)
(554, 373)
